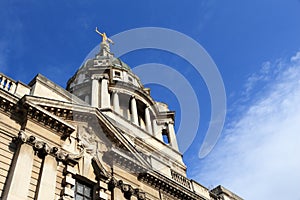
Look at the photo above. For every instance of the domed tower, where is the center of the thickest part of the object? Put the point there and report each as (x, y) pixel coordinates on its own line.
(107, 83)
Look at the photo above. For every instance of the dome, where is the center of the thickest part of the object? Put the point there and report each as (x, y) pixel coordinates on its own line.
(112, 61)
(118, 63)
(104, 63)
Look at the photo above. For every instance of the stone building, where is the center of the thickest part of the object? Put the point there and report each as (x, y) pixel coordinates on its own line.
(103, 137)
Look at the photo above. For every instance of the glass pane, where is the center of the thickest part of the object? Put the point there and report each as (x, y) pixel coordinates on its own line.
(79, 188)
(78, 197)
(87, 191)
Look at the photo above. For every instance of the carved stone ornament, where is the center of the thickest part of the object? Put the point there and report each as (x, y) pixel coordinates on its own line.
(43, 148)
(89, 141)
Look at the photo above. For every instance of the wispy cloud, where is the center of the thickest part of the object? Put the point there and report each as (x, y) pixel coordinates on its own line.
(258, 157)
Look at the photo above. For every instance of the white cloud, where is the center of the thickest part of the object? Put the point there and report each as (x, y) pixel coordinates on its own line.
(296, 58)
(258, 157)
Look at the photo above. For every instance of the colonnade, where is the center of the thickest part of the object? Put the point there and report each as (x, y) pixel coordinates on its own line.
(134, 111)
(101, 98)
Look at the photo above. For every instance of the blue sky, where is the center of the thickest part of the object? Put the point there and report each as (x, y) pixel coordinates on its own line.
(255, 45)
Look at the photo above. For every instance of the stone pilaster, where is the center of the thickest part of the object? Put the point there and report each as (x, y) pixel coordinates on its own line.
(47, 183)
(17, 185)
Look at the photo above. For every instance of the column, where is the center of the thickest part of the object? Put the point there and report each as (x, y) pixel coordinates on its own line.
(148, 120)
(47, 183)
(116, 103)
(173, 140)
(134, 113)
(17, 185)
(95, 92)
(105, 97)
(155, 129)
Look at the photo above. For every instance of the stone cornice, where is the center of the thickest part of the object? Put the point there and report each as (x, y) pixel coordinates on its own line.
(43, 148)
(124, 160)
(220, 190)
(181, 190)
(7, 101)
(45, 118)
(24, 109)
(115, 133)
(130, 90)
(90, 114)
(169, 186)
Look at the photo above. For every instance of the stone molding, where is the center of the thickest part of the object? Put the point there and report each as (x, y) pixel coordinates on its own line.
(44, 148)
(169, 186)
(53, 122)
(179, 186)
(125, 161)
(23, 109)
(7, 103)
(99, 76)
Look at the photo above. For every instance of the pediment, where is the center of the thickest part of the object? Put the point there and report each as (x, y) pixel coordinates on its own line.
(108, 143)
(95, 133)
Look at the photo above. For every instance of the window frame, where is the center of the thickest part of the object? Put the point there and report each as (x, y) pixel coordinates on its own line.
(84, 184)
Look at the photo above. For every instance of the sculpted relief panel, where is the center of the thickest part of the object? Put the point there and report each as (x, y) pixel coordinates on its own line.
(93, 140)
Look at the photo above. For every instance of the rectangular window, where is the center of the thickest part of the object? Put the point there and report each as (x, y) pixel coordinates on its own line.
(117, 74)
(83, 191)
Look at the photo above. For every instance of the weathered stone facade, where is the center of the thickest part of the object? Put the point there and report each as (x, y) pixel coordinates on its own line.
(103, 137)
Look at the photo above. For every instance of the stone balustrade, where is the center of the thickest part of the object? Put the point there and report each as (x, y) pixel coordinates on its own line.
(7, 83)
(181, 179)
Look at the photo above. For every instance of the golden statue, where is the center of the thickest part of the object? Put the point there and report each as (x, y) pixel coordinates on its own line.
(104, 37)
